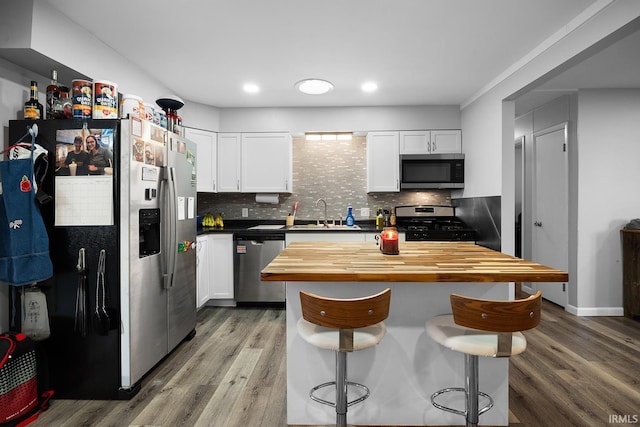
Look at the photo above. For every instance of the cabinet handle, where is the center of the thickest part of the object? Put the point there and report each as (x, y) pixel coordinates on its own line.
(214, 185)
(537, 224)
(433, 147)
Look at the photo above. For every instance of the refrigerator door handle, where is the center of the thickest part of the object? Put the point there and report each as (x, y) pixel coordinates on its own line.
(172, 229)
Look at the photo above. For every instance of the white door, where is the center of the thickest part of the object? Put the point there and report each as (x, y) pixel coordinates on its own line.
(551, 207)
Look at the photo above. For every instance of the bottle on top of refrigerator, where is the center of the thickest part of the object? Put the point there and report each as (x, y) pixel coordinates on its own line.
(53, 94)
(33, 109)
(351, 221)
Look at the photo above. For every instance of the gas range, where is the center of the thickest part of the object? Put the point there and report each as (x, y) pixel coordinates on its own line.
(432, 223)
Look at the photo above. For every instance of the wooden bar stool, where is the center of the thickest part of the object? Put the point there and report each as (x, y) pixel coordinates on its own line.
(482, 328)
(343, 325)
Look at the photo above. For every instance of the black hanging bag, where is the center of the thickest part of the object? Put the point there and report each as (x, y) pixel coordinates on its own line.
(20, 402)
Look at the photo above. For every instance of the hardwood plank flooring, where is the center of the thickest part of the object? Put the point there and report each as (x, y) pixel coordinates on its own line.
(577, 371)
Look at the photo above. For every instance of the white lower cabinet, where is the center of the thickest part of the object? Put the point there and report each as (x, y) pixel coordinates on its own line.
(325, 236)
(203, 271)
(214, 263)
(221, 256)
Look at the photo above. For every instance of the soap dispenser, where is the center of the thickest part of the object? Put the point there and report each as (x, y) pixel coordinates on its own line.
(351, 221)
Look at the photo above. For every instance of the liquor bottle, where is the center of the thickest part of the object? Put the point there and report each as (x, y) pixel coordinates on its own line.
(33, 110)
(351, 221)
(53, 94)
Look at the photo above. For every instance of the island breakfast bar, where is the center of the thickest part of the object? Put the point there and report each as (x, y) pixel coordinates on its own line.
(406, 367)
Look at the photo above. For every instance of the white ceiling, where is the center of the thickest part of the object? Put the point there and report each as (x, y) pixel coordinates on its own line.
(419, 52)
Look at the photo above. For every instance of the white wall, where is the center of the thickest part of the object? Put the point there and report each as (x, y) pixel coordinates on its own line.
(489, 129)
(299, 120)
(609, 193)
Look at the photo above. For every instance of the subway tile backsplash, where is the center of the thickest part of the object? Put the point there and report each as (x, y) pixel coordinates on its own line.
(332, 170)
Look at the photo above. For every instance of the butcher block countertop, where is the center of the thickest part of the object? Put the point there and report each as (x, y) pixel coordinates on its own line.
(417, 262)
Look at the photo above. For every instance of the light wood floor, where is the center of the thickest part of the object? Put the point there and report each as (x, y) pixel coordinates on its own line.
(576, 372)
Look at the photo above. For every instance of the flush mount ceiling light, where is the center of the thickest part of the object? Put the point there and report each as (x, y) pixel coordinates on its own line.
(369, 87)
(314, 86)
(328, 136)
(251, 88)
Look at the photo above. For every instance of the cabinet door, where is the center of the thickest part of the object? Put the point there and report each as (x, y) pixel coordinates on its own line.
(383, 162)
(266, 163)
(203, 271)
(206, 160)
(229, 163)
(221, 257)
(415, 142)
(446, 141)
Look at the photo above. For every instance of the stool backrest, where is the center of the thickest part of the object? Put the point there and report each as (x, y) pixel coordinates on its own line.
(497, 316)
(350, 313)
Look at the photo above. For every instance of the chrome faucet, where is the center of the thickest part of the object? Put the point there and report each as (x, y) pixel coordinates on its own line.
(326, 223)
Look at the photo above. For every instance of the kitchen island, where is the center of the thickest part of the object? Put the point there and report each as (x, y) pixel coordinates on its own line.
(406, 367)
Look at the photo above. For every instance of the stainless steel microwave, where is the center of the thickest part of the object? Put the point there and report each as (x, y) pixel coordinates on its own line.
(431, 171)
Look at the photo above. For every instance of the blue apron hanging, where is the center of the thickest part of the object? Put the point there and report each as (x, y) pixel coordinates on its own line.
(24, 243)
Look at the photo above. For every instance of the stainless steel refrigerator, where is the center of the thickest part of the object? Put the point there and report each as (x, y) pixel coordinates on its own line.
(122, 240)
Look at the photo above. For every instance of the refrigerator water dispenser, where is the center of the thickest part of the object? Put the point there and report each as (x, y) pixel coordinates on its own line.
(149, 232)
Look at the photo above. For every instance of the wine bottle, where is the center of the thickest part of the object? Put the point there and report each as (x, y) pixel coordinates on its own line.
(53, 94)
(33, 110)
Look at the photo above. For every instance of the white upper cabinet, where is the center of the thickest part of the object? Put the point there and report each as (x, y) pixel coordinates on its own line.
(206, 160)
(266, 163)
(446, 141)
(383, 162)
(229, 149)
(430, 142)
(415, 142)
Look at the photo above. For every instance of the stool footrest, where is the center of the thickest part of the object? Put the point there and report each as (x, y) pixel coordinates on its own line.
(333, 383)
(457, 411)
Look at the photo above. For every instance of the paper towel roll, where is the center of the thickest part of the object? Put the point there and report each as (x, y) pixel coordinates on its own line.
(272, 199)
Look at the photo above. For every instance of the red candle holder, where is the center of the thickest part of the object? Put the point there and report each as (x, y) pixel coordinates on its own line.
(388, 241)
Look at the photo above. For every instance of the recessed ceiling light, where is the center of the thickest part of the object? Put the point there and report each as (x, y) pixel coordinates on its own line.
(369, 87)
(251, 88)
(314, 86)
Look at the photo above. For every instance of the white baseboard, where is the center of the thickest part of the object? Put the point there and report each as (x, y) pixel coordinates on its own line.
(595, 311)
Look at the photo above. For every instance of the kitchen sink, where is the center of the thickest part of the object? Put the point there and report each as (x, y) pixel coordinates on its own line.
(321, 227)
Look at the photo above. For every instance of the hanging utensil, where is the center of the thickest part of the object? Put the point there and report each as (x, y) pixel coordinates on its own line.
(80, 320)
(101, 320)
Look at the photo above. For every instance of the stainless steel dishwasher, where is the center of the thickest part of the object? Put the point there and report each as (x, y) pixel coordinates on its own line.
(252, 252)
